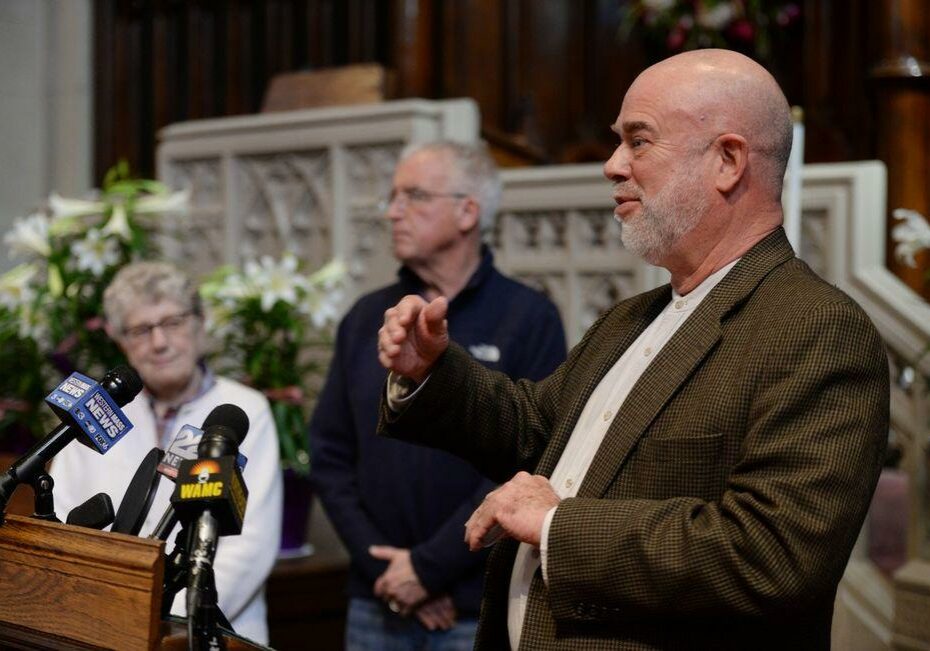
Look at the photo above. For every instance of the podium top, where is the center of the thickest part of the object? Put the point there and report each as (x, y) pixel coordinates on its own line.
(72, 587)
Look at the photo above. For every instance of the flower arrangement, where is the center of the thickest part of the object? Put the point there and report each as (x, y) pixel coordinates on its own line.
(672, 26)
(51, 316)
(271, 322)
(912, 235)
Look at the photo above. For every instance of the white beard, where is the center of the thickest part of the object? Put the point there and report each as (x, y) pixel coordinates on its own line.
(666, 218)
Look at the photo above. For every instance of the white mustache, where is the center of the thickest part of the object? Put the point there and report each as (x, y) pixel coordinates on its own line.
(627, 189)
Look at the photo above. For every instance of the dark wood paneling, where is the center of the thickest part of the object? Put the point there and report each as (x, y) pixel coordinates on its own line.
(548, 76)
(162, 61)
(901, 85)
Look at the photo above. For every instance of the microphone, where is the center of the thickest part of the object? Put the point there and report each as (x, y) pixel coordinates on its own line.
(211, 496)
(139, 495)
(90, 412)
(95, 513)
(184, 447)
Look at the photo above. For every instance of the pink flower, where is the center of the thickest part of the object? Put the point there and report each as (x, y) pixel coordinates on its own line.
(742, 30)
(676, 38)
(787, 15)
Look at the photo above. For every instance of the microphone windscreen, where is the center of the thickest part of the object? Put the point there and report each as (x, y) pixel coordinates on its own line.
(95, 513)
(231, 418)
(122, 383)
(138, 498)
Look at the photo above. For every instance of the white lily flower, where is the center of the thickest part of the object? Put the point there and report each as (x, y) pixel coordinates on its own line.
(278, 282)
(16, 286)
(34, 323)
(63, 207)
(118, 224)
(912, 236)
(717, 17)
(330, 275)
(30, 236)
(176, 202)
(95, 253)
(322, 309)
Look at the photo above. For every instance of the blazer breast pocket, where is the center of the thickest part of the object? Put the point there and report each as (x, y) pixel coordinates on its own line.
(679, 467)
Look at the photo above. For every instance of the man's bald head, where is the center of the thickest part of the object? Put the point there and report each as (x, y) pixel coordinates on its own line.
(721, 91)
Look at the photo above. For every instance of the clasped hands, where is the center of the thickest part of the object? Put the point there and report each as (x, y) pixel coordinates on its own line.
(401, 589)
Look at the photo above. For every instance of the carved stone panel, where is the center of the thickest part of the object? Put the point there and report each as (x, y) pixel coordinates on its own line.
(285, 203)
(195, 241)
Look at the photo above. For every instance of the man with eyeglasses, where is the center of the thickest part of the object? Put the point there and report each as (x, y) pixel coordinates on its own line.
(153, 313)
(400, 509)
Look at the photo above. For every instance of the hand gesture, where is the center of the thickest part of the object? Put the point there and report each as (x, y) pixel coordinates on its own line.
(516, 510)
(415, 333)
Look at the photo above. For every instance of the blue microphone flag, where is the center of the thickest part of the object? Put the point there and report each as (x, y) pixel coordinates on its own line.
(81, 401)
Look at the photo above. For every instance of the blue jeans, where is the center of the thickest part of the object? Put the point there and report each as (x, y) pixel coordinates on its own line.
(370, 626)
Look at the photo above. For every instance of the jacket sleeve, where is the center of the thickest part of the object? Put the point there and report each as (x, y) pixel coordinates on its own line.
(779, 537)
(334, 454)
(500, 426)
(444, 557)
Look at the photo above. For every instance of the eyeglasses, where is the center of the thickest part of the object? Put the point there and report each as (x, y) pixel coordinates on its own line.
(416, 196)
(170, 325)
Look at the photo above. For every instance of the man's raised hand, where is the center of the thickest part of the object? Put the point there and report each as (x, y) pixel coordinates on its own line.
(415, 333)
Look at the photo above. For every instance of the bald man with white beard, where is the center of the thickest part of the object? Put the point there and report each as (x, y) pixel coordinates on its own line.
(696, 473)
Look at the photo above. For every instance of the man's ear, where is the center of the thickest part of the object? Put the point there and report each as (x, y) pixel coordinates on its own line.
(469, 215)
(730, 164)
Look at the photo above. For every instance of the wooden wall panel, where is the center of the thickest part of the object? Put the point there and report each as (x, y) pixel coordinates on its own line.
(157, 62)
(548, 76)
(901, 87)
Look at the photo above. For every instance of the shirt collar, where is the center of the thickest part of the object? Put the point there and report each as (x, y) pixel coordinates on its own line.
(415, 285)
(696, 295)
(207, 382)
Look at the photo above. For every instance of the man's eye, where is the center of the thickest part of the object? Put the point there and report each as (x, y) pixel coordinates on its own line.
(416, 194)
(637, 142)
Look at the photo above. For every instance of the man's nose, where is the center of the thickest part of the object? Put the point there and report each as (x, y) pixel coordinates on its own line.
(617, 167)
(395, 209)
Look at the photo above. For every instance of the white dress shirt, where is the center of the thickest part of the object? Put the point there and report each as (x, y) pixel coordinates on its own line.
(589, 432)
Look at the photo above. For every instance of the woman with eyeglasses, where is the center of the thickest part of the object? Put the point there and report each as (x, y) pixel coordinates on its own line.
(153, 313)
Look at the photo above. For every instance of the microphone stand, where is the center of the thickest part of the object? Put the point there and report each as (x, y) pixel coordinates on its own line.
(177, 568)
(45, 501)
(202, 608)
(203, 630)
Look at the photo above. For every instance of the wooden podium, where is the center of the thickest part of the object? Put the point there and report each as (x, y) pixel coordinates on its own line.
(64, 587)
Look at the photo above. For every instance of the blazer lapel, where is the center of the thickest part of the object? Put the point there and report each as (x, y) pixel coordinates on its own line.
(620, 330)
(678, 360)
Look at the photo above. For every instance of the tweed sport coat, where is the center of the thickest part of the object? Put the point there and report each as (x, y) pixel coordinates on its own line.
(721, 508)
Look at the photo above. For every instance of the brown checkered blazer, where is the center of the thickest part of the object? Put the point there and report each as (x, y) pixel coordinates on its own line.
(724, 501)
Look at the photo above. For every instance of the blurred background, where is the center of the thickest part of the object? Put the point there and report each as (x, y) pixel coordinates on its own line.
(92, 84)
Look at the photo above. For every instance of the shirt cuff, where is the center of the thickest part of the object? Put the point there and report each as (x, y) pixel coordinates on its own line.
(544, 543)
(401, 390)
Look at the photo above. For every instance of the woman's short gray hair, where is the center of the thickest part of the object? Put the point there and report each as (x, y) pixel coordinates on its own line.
(475, 173)
(146, 283)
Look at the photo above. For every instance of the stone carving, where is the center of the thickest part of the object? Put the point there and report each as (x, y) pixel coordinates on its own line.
(285, 203)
